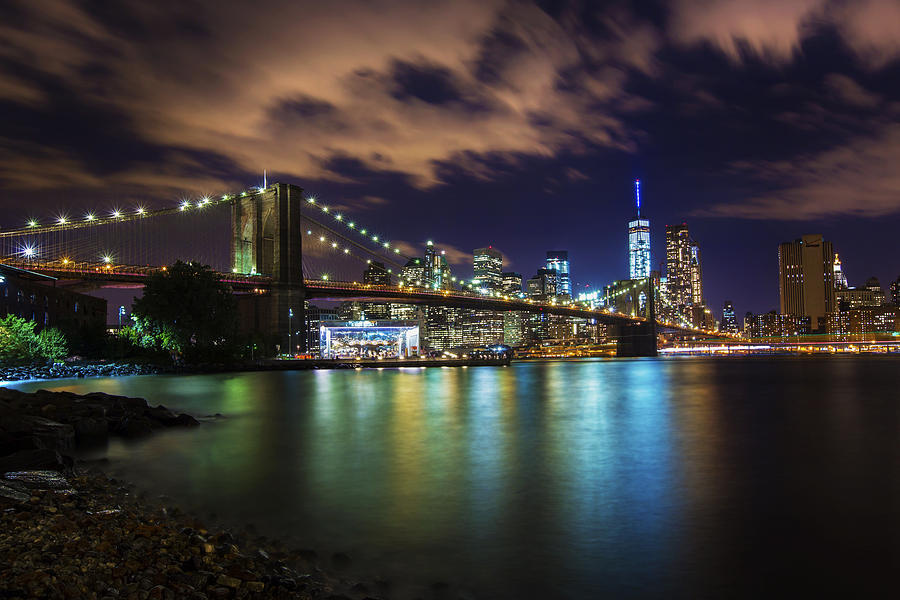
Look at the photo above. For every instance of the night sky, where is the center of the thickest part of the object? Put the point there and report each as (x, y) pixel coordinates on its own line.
(515, 124)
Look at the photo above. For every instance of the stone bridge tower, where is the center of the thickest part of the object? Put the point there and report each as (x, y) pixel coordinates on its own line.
(266, 239)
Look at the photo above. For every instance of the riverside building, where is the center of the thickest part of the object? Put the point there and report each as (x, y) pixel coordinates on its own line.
(806, 279)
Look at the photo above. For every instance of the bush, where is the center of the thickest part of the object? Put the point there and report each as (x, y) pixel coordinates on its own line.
(19, 344)
(53, 344)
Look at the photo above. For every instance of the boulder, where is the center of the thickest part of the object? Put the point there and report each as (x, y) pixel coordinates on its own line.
(13, 492)
(186, 420)
(90, 429)
(54, 435)
(135, 427)
(35, 460)
(13, 442)
(160, 414)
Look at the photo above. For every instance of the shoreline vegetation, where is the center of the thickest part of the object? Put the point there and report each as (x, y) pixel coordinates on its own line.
(68, 530)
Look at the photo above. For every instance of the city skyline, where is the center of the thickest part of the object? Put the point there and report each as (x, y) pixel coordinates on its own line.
(469, 123)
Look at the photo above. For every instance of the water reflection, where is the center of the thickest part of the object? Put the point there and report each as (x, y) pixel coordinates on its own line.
(630, 478)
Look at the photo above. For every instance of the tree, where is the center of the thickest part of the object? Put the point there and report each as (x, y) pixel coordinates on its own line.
(186, 309)
(20, 344)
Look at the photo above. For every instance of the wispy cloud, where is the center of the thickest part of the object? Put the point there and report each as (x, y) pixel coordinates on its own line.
(858, 179)
(774, 30)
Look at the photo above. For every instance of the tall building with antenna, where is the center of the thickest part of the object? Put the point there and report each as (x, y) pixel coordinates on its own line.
(638, 240)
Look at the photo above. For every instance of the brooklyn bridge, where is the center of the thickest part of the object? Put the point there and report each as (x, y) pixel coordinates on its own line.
(282, 248)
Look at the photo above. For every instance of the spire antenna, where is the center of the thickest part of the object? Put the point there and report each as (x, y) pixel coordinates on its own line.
(637, 195)
(265, 184)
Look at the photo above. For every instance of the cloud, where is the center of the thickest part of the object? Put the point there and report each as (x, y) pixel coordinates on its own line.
(766, 28)
(858, 179)
(850, 92)
(358, 204)
(573, 174)
(458, 81)
(773, 30)
(455, 256)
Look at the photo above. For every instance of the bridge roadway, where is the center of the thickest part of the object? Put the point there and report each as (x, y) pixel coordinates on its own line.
(94, 275)
(352, 290)
(98, 275)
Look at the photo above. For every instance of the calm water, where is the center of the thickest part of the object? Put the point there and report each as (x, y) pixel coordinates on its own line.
(625, 478)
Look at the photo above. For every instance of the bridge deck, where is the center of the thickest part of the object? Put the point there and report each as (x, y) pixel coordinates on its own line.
(352, 290)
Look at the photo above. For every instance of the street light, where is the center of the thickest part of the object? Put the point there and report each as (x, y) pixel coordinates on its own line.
(121, 314)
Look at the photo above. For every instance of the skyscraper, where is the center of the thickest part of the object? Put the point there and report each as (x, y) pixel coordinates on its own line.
(488, 267)
(840, 279)
(558, 260)
(696, 275)
(431, 258)
(512, 283)
(543, 286)
(376, 274)
(413, 272)
(806, 279)
(679, 272)
(729, 321)
(638, 240)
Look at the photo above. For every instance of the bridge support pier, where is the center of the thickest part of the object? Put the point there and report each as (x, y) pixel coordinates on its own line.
(267, 240)
(636, 339)
(289, 317)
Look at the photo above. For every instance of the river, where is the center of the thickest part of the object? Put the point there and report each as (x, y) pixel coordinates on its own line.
(645, 478)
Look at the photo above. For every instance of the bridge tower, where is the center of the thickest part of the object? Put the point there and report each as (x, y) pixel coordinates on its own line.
(266, 239)
(639, 339)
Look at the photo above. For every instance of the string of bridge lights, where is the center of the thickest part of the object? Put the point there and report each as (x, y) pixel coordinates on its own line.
(64, 221)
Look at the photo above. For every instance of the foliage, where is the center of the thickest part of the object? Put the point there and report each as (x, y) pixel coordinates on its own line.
(185, 310)
(53, 344)
(20, 344)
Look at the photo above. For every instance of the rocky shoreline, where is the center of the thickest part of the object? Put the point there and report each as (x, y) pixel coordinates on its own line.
(65, 370)
(67, 530)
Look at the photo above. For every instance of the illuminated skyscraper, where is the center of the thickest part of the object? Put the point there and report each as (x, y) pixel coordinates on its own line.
(431, 258)
(512, 283)
(840, 279)
(638, 240)
(413, 272)
(696, 276)
(729, 321)
(488, 267)
(558, 260)
(679, 274)
(376, 274)
(806, 279)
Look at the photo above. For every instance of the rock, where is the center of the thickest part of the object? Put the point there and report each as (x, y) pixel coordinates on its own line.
(90, 429)
(232, 582)
(135, 427)
(186, 420)
(34, 460)
(14, 491)
(40, 481)
(160, 414)
(54, 435)
(13, 442)
(255, 586)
